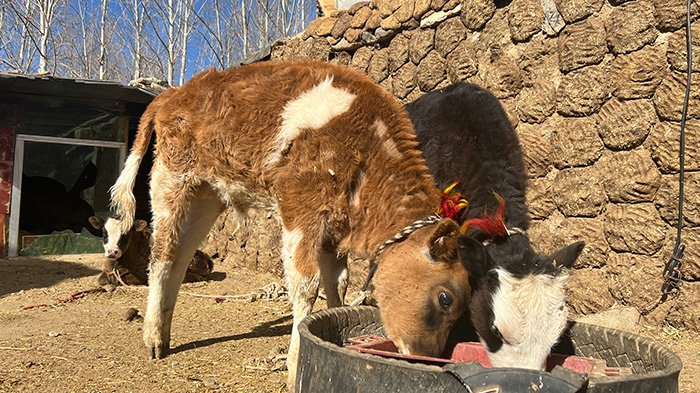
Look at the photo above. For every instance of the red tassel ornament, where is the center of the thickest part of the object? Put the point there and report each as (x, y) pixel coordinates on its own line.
(493, 225)
(451, 203)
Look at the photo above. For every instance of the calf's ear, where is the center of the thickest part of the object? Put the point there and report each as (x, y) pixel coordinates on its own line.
(565, 257)
(140, 225)
(96, 222)
(442, 244)
(474, 258)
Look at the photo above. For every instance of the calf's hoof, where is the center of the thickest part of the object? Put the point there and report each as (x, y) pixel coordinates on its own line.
(157, 352)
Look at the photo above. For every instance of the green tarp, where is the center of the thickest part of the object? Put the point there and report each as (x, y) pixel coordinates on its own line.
(65, 242)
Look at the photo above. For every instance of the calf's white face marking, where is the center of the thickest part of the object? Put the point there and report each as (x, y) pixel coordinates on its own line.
(114, 241)
(112, 230)
(530, 313)
(312, 109)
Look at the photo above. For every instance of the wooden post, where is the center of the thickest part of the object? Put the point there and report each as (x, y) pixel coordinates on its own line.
(7, 156)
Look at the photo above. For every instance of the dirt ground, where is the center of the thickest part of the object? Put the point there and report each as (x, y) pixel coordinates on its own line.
(85, 345)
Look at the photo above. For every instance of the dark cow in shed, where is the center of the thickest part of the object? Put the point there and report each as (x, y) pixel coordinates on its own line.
(336, 155)
(517, 305)
(46, 206)
(127, 256)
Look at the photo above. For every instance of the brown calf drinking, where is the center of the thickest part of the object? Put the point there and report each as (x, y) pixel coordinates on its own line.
(336, 156)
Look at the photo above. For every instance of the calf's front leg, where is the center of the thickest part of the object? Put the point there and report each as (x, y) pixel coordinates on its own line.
(299, 256)
(176, 236)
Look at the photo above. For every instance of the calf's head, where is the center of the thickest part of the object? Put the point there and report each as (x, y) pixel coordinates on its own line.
(115, 243)
(517, 305)
(422, 289)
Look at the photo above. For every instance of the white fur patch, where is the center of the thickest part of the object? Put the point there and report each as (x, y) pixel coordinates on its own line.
(161, 181)
(302, 290)
(531, 315)
(355, 199)
(156, 329)
(311, 110)
(388, 144)
(290, 241)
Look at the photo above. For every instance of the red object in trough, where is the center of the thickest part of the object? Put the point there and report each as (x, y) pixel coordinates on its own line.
(468, 351)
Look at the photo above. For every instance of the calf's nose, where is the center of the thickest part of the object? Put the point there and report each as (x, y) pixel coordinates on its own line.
(111, 253)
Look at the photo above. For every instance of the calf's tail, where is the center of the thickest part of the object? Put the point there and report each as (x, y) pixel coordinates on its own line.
(123, 201)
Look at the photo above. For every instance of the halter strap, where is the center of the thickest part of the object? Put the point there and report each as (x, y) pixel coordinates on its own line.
(423, 222)
(515, 231)
(509, 232)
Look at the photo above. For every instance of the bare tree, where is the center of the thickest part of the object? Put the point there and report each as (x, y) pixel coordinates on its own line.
(47, 12)
(25, 40)
(172, 29)
(138, 10)
(103, 43)
(82, 46)
(131, 35)
(244, 18)
(219, 49)
(168, 15)
(127, 39)
(187, 9)
(16, 35)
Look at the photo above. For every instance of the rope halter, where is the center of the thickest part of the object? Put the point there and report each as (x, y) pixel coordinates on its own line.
(404, 233)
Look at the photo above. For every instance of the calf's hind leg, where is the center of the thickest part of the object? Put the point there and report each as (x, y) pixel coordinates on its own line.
(182, 218)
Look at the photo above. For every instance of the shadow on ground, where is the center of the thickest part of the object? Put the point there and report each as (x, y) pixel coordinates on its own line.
(26, 273)
(267, 329)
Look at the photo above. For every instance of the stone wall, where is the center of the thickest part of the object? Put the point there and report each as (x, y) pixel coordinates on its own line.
(595, 92)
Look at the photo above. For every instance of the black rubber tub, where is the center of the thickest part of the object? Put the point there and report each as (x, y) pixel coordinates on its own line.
(325, 365)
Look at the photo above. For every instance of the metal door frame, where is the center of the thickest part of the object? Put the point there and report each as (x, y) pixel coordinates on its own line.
(18, 169)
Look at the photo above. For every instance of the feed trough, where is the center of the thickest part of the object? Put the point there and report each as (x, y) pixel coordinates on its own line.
(326, 364)
(457, 352)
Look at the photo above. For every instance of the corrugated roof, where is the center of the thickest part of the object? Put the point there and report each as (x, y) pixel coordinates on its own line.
(46, 85)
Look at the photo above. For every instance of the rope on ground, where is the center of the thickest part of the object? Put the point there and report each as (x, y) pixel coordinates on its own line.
(271, 291)
(59, 300)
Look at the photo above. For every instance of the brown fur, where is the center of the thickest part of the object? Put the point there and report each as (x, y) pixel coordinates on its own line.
(350, 183)
(406, 279)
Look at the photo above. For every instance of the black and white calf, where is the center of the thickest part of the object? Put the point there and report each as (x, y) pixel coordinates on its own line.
(517, 306)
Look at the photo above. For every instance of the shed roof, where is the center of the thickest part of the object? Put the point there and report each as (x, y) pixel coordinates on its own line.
(46, 85)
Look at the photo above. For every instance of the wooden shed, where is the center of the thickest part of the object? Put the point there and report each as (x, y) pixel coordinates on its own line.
(62, 145)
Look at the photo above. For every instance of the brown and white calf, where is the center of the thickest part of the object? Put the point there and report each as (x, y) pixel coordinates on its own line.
(336, 156)
(127, 255)
(517, 305)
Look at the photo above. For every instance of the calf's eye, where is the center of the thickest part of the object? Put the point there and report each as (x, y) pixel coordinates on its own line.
(498, 333)
(445, 300)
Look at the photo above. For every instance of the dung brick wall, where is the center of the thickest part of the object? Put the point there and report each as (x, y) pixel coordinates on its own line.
(595, 92)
